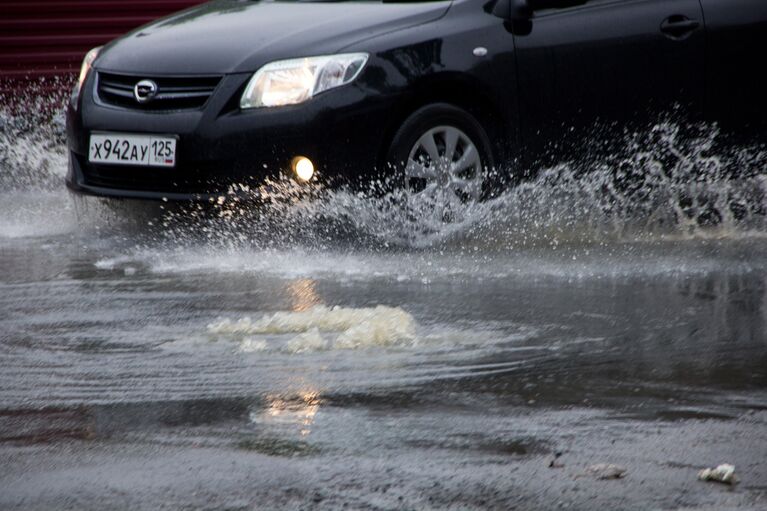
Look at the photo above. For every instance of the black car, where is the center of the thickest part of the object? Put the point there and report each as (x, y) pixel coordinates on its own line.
(444, 96)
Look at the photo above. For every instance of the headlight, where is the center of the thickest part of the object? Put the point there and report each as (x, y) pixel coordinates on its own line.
(289, 82)
(84, 70)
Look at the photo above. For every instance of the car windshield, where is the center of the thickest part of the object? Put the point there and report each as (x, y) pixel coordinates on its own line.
(338, 1)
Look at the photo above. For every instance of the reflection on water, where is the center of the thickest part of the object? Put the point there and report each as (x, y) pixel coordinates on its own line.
(298, 411)
(303, 294)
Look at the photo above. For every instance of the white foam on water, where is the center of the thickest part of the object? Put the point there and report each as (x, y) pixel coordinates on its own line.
(309, 341)
(113, 263)
(252, 345)
(323, 328)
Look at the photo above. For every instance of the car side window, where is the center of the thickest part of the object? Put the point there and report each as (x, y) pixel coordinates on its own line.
(543, 7)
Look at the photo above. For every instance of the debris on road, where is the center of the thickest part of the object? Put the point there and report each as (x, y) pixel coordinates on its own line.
(555, 463)
(724, 473)
(606, 471)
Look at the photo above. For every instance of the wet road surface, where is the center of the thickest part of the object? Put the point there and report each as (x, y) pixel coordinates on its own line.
(189, 364)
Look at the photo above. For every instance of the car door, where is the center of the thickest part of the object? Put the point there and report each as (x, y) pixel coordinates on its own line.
(590, 68)
(736, 42)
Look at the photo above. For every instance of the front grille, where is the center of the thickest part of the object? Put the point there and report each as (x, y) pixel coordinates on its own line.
(173, 93)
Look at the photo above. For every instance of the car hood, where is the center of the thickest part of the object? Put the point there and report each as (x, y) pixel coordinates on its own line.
(240, 36)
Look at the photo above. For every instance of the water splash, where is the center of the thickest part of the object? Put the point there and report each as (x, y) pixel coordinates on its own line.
(32, 135)
(664, 185)
(667, 182)
(33, 161)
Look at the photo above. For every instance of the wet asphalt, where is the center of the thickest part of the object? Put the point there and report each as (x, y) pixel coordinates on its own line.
(118, 390)
(153, 358)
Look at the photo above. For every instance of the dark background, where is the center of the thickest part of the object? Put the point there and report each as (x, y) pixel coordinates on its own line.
(45, 40)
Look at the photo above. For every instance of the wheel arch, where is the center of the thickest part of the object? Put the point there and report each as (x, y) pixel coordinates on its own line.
(458, 90)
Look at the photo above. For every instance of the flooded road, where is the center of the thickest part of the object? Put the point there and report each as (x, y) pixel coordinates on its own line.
(324, 354)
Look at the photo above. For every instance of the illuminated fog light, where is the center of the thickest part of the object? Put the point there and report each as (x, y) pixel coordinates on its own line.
(303, 167)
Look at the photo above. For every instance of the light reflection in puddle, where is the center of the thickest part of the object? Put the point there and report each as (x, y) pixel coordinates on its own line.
(281, 412)
(303, 294)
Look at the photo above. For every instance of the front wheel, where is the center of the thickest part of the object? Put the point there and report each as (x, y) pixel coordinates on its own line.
(441, 158)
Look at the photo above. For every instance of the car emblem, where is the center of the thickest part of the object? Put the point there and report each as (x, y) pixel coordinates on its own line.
(145, 91)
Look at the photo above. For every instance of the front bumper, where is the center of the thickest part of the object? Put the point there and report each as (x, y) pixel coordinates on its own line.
(221, 146)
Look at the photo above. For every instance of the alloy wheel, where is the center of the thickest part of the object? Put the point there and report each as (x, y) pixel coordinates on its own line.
(444, 170)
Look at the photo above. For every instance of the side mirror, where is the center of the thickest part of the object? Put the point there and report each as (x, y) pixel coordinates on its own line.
(513, 10)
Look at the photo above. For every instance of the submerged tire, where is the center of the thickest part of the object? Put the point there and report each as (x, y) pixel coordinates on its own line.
(441, 154)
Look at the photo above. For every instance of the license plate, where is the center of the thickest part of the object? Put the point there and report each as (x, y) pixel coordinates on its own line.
(139, 150)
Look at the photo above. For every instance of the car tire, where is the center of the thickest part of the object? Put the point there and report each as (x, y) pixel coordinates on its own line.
(411, 165)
